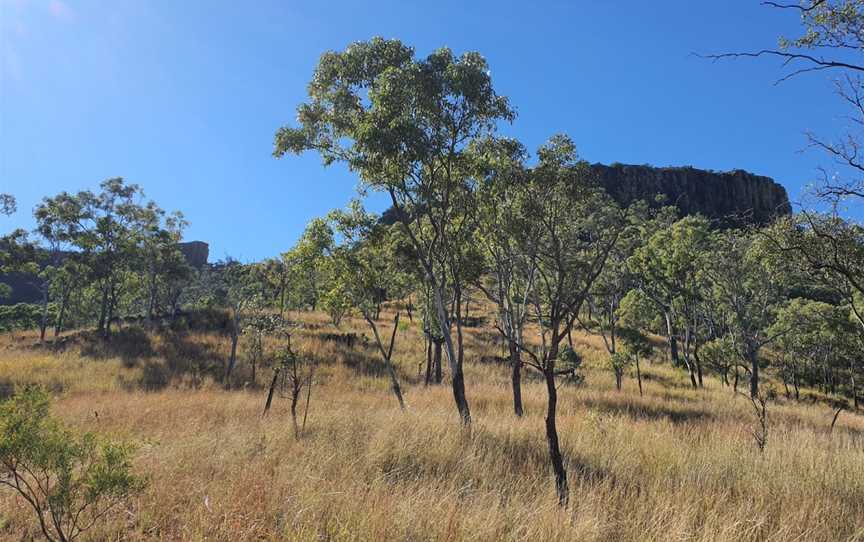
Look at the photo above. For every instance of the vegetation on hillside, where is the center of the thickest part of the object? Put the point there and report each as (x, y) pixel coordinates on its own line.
(516, 280)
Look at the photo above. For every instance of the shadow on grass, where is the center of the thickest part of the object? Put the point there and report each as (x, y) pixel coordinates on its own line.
(645, 411)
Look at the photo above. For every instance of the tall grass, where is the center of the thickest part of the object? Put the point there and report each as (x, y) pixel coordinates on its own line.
(677, 464)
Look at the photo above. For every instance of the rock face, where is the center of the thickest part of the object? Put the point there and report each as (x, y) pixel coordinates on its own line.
(196, 253)
(733, 198)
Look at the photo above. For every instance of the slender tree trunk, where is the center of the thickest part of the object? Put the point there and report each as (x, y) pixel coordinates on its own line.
(457, 377)
(282, 287)
(103, 311)
(557, 460)
(752, 354)
(233, 359)
(428, 379)
(439, 377)
(698, 362)
(43, 324)
(295, 396)
(271, 391)
(735, 387)
(516, 377)
(58, 325)
(639, 376)
(387, 354)
(673, 341)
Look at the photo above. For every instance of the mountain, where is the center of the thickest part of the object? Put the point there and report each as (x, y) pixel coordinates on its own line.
(734, 197)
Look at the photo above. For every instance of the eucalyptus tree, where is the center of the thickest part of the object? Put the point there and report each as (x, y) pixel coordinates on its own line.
(815, 344)
(666, 268)
(404, 125)
(305, 263)
(828, 251)
(577, 226)
(747, 288)
(504, 229)
(8, 204)
(369, 275)
(163, 263)
(236, 286)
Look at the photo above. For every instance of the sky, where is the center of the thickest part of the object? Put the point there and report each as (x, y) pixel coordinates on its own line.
(184, 97)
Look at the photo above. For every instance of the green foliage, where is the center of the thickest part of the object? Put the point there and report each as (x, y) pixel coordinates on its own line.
(70, 481)
(570, 363)
(24, 316)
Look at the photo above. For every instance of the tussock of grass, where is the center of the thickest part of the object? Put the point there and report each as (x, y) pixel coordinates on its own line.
(676, 464)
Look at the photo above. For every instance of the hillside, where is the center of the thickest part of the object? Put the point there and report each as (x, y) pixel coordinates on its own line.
(676, 464)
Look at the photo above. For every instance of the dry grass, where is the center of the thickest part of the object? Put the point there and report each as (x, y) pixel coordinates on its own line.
(674, 465)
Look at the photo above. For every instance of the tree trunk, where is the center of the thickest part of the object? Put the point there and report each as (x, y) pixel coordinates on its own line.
(619, 376)
(387, 354)
(233, 359)
(437, 360)
(795, 385)
(698, 363)
(58, 325)
(754, 371)
(516, 377)
(457, 378)
(271, 391)
(43, 324)
(295, 396)
(735, 387)
(673, 341)
(639, 376)
(555, 457)
(428, 360)
(103, 311)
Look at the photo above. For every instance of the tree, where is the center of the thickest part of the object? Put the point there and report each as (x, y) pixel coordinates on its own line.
(164, 265)
(369, 274)
(70, 481)
(815, 343)
(236, 286)
(305, 263)
(577, 226)
(637, 346)
(404, 124)
(831, 41)
(666, 269)
(503, 225)
(8, 205)
(746, 288)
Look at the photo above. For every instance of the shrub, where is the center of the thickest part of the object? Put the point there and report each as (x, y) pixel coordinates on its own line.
(70, 481)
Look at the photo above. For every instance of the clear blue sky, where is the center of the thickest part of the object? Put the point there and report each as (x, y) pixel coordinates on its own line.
(183, 97)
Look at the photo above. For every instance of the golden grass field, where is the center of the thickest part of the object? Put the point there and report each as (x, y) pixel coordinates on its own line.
(676, 464)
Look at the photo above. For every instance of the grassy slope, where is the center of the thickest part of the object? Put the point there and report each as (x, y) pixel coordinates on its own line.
(674, 465)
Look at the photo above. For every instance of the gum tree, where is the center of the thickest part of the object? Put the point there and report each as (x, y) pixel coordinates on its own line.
(404, 124)
(577, 225)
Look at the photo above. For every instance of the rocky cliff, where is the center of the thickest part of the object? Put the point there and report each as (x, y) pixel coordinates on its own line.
(733, 197)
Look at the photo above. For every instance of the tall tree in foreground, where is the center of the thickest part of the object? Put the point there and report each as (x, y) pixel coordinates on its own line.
(404, 125)
(577, 226)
